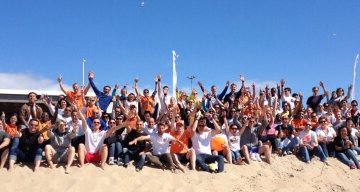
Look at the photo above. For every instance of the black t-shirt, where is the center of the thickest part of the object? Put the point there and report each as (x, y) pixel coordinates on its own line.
(288, 130)
(340, 142)
(314, 101)
(29, 141)
(139, 146)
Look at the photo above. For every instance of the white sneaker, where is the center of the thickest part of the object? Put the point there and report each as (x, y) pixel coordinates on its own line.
(257, 156)
(119, 162)
(252, 156)
(111, 161)
(284, 153)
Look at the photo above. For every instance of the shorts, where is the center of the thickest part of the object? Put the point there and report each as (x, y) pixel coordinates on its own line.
(182, 157)
(92, 158)
(60, 156)
(253, 149)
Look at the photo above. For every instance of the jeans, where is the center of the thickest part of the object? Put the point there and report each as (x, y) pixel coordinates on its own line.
(317, 150)
(348, 157)
(287, 144)
(129, 154)
(203, 159)
(115, 150)
(235, 155)
(357, 150)
(328, 149)
(24, 156)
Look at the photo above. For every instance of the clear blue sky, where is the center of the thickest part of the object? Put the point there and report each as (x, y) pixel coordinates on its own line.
(302, 41)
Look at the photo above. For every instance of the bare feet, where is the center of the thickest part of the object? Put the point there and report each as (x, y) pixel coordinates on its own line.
(102, 166)
(67, 170)
(35, 168)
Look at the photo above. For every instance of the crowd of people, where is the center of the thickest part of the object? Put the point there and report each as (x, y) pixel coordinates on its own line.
(195, 131)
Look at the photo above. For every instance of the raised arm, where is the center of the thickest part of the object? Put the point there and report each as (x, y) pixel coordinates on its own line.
(61, 85)
(91, 78)
(282, 84)
(156, 86)
(195, 124)
(113, 93)
(348, 95)
(201, 87)
(325, 92)
(222, 94)
(136, 82)
(217, 129)
(82, 118)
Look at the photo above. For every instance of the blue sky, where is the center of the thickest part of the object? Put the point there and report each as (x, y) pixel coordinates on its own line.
(302, 41)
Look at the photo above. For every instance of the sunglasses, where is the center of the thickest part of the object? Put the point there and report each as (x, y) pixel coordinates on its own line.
(96, 122)
(322, 121)
(146, 91)
(112, 122)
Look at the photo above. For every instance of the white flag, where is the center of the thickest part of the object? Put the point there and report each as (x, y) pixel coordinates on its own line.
(354, 76)
(174, 79)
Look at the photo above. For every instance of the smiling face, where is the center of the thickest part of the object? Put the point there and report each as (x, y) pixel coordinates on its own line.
(33, 125)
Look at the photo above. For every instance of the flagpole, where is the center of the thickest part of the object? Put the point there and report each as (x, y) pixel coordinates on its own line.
(354, 76)
(83, 72)
(174, 79)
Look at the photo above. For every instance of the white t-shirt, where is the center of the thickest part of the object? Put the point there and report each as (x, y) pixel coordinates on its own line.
(353, 133)
(164, 102)
(201, 142)
(234, 141)
(79, 131)
(161, 145)
(147, 130)
(307, 137)
(290, 100)
(93, 140)
(330, 135)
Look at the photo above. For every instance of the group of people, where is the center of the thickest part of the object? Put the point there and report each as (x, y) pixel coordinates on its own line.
(185, 131)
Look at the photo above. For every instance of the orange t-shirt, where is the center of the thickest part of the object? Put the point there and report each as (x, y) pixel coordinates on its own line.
(75, 96)
(176, 147)
(147, 103)
(11, 130)
(132, 122)
(89, 111)
(297, 123)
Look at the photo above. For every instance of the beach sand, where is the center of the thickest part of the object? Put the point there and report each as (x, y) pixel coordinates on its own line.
(284, 174)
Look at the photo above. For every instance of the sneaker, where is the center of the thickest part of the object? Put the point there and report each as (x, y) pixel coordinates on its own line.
(284, 153)
(111, 161)
(257, 156)
(119, 162)
(252, 156)
(289, 152)
(126, 165)
(358, 166)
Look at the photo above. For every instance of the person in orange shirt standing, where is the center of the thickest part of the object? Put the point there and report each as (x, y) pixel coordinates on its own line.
(147, 101)
(76, 95)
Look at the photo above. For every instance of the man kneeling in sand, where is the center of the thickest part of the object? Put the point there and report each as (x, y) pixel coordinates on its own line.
(60, 149)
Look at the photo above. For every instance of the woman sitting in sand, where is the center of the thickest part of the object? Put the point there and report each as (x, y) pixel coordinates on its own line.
(343, 148)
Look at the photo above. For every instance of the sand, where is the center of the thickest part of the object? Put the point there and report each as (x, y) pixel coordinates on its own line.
(285, 174)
